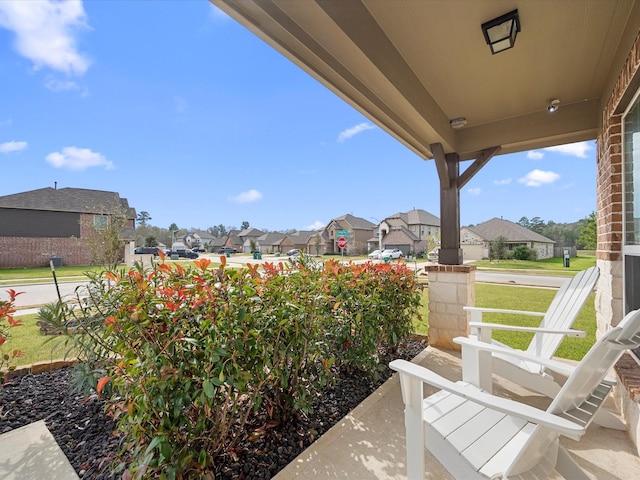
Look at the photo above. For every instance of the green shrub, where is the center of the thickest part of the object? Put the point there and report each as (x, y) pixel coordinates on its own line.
(522, 252)
(7, 321)
(191, 353)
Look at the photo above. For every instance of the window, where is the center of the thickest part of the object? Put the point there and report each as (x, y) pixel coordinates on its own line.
(631, 169)
(631, 207)
(100, 222)
(412, 228)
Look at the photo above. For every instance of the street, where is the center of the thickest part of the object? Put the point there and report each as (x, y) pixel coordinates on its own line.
(35, 295)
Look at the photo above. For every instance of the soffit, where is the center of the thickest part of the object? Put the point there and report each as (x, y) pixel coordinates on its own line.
(411, 66)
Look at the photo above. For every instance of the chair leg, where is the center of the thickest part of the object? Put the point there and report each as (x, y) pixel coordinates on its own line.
(606, 419)
(568, 468)
(413, 396)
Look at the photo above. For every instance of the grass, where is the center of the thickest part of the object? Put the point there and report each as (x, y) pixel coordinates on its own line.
(36, 347)
(548, 266)
(523, 298)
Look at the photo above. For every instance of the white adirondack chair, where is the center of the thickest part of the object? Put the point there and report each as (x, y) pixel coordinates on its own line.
(554, 327)
(477, 435)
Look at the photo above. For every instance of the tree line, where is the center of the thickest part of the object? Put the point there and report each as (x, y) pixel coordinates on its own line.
(581, 234)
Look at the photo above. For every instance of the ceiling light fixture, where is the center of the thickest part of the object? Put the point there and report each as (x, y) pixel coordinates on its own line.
(458, 122)
(553, 105)
(500, 33)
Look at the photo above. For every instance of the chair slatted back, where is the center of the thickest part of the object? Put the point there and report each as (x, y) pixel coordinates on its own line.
(563, 311)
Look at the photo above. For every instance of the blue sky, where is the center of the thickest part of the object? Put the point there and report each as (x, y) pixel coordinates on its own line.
(195, 120)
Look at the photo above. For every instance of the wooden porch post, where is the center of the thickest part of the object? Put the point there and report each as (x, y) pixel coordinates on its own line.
(448, 167)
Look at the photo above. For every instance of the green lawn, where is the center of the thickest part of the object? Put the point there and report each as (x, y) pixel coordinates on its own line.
(36, 347)
(548, 266)
(524, 298)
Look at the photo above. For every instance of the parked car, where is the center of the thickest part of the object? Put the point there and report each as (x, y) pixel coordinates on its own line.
(224, 250)
(293, 252)
(146, 251)
(198, 250)
(375, 255)
(184, 253)
(392, 253)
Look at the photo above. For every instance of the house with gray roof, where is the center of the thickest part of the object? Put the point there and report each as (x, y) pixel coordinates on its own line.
(476, 241)
(359, 231)
(46, 223)
(247, 236)
(412, 231)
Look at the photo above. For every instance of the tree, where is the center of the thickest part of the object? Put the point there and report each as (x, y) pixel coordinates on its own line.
(244, 225)
(498, 249)
(173, 228)
(316, 243)
(150, 241)
(143, 218)
(105, 238)
(589, 233)
(222, 230)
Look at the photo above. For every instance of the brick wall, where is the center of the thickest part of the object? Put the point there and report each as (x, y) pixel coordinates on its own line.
(20, 252)
(609, 199)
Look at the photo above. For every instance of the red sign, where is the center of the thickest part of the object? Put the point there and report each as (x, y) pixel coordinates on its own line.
(342, 242)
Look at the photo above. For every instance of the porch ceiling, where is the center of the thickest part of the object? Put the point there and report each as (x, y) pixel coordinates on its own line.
(411, 66)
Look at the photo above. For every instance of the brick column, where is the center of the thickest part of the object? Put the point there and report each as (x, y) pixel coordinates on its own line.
(451, 287)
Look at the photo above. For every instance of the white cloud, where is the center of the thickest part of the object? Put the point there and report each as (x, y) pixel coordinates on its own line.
(46, 33)
(579, 149)
(537, 178)
(12, 146)
(504, 181)
(474, 191)
(56, 85)
(74, 158)
(350, 132)
(534, 155)
(317, 225)
(247, 197)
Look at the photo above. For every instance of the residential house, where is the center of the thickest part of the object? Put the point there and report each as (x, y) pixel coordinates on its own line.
(39, 225)
(205, 238)
(317, 243)
(413, 231)
(300, 240)
(476, 241)
(358, 232)
(273, 242)
(248, 235)
(234, 240)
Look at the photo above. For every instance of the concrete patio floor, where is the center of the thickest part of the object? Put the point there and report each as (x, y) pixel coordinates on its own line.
(369, 442)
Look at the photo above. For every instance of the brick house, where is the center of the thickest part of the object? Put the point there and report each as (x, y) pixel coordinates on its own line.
(476, 241)
(40, 224)
(359, 231)
(411, 231)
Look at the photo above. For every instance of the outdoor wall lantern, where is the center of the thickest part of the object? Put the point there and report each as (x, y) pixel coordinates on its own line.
(500, 33)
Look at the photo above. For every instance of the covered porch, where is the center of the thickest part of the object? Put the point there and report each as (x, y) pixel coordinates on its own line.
(424, 72)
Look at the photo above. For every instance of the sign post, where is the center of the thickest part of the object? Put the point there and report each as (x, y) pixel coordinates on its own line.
(342, 243)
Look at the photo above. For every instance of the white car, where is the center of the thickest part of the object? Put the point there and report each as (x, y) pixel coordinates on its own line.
(375, 255)
(392, 253)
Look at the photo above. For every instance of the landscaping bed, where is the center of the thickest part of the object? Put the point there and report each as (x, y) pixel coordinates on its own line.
(88, 439)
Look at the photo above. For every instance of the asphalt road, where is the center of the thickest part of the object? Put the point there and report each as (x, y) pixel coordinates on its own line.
(40, 294)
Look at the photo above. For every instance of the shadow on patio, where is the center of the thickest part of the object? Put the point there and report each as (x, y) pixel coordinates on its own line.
(369, 442)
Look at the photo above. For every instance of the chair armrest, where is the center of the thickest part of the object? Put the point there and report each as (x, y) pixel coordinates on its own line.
(500, 310)
(570, 332)
(559, 367)
(504, 405)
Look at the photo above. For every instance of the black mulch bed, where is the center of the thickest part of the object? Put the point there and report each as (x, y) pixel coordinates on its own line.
(87, 436)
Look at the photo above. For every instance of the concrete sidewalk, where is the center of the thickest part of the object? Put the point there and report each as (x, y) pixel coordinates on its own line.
(368, 444)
